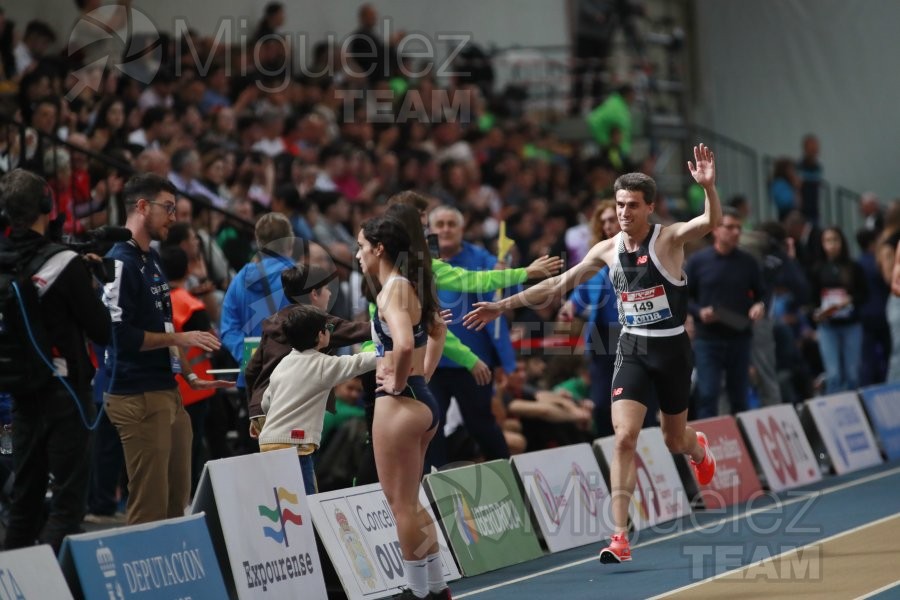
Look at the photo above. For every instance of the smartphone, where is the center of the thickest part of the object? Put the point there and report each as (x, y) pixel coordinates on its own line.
(433, 245)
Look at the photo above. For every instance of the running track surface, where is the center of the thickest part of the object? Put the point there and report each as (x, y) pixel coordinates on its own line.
(839, 538)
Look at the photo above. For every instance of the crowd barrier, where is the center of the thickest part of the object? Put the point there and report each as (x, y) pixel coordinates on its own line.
(254, 534)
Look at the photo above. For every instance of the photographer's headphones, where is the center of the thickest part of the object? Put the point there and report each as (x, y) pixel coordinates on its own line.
(45, 204)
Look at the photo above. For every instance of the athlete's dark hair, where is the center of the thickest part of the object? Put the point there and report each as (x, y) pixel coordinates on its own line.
(411, 219)
(409, 260)
(637, 182)
(410, 198)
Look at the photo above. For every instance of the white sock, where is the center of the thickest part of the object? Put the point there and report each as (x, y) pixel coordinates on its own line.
(417, 576)
(435, 569)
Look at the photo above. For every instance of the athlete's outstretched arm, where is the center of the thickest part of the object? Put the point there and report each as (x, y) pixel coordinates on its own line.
(703, 170)
(485, 312)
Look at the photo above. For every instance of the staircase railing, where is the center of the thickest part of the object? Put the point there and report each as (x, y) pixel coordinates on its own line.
(33, 145)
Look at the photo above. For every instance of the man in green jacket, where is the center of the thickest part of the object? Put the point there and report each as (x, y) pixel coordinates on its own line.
(613, 113)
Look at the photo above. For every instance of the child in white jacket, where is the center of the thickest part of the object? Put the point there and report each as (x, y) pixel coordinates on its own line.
(295, 400)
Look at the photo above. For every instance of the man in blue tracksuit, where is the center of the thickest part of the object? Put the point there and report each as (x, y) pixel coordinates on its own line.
(255, 292)
(451, 380)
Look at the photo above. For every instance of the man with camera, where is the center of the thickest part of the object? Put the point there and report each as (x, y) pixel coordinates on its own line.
(143, 401)
(51, 408)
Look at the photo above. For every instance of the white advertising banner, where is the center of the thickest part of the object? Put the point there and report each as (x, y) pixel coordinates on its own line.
(32, 573)
(263, 519)
(359, 533)
(845, 431)
(780, 446)
(568, 495)
(659, 495)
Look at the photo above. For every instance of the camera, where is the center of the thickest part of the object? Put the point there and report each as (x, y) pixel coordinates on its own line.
(98, 241)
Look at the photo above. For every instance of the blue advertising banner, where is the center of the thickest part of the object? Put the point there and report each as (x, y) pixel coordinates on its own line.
(845, 432)
(883, 405)
(164, 560)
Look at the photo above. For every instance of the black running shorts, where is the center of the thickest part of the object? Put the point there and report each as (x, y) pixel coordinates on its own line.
(648, 367)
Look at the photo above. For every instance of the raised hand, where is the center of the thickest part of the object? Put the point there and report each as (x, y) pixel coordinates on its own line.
(703, 169)
(544, 267)
(484, 313)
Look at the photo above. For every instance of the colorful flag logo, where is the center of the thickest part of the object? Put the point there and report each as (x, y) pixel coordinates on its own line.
(280, 515)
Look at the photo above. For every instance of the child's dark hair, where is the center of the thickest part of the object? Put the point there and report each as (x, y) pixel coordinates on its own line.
(411, 262)
(303, 325)
(300, 280)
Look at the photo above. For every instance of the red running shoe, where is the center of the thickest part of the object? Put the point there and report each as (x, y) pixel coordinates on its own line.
(618, 550)
(706, 468)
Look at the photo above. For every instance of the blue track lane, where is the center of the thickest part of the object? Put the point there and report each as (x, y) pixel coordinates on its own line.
(706, 544)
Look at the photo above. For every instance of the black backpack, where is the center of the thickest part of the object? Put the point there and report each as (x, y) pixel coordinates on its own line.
(22, 370)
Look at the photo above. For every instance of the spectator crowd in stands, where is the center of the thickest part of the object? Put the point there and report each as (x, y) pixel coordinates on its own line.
(779, 307)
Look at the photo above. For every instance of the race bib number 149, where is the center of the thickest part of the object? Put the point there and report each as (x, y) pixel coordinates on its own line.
(643, 307)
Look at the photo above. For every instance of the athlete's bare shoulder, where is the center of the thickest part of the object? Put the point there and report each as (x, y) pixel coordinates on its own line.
(669, 238)
(602, 253)
(670, 248)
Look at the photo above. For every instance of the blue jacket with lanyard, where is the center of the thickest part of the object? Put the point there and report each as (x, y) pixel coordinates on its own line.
(138, 301)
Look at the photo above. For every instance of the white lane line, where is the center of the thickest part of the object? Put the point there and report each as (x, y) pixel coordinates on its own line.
(889, 586)
(776, 556)
(720, 522)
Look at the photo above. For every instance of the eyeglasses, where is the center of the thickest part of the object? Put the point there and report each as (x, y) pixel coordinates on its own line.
(170, 207)
(329, 327)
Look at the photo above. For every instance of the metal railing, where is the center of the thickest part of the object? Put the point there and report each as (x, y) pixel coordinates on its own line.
(838, 205)
(742, 170)
(34, 145)
(213, 214)
(547, 72)
(737, 166)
